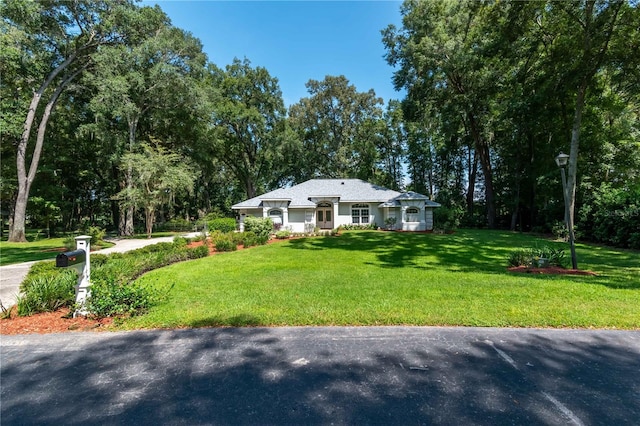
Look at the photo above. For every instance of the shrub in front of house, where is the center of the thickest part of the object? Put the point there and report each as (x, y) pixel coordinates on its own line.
(225, 242)
(283, 234)
(260, 226)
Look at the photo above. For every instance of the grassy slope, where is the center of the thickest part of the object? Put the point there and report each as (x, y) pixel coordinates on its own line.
(367, 278)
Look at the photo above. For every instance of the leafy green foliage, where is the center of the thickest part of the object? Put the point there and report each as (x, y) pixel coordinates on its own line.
(612, 216)
(283, 234)
(110, 298)
(225, 242)
(223, 224)
(260, 226)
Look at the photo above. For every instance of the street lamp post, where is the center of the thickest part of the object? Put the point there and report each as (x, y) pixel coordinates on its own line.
(561, 161)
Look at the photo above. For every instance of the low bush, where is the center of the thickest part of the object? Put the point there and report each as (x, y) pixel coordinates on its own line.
(283, 235)
(355, 227)
(225, 242)
(110, 298)
(224, 224)
(520, 257)
(531, 256)
(246, 239)
(179, 242)
(48, 292)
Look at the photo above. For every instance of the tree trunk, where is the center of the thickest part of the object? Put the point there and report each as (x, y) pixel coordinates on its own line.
(25, 179)
(482, 150)
(149, 214)
(472, 171)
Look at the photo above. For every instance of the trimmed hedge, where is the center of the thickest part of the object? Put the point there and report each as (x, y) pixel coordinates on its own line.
(224, 225)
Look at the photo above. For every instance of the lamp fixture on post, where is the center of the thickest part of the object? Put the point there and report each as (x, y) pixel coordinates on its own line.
(561, 161)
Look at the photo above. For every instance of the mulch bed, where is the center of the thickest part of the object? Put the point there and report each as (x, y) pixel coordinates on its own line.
(50, 322)
(554, 270)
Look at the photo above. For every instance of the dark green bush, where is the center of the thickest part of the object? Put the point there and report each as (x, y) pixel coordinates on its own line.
(248, 239)
(225, 242)
(199, 252)
(98, 259)
(113, 290)
(224, 224)
(520, 257)
(110, 298)
(179, 242)
(175, 225)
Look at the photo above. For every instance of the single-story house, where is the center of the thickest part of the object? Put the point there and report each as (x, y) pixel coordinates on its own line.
(329, 203)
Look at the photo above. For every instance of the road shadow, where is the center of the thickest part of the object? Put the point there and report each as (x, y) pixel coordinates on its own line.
(248, 376)
(460, 252)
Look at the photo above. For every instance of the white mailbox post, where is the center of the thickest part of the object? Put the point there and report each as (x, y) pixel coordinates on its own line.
(79, 260)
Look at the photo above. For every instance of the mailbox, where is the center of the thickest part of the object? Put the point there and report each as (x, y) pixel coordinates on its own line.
(71, 258)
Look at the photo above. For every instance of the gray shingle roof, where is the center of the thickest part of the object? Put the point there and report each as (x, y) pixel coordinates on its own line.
(349, 190)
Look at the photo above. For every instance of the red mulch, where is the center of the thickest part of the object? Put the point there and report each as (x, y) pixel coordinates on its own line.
(50, 322)
(554, 270)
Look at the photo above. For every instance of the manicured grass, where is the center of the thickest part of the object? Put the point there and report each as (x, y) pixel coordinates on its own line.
(385, 278)
(25, 252)
(44, 249)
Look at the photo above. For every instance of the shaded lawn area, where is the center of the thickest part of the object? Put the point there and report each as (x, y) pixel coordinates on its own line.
(45, 249)
(389, 278)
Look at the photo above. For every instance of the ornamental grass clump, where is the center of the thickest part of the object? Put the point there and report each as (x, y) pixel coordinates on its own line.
(47, 293)
(538, 257)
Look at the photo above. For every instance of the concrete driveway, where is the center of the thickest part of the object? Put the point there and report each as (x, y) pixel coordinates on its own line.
(323, 375)
(12, 275)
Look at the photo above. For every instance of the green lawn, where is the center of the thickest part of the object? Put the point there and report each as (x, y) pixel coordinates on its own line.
(45, 249)
(26, 252)
(384, 278)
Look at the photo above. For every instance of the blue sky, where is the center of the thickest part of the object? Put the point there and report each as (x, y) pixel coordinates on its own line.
(295, 40)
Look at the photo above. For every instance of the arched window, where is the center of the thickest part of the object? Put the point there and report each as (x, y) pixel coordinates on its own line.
(276, 216)
(360, 214)
(412, 214)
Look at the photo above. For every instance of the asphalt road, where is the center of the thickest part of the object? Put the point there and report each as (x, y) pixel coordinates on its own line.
(323, 375)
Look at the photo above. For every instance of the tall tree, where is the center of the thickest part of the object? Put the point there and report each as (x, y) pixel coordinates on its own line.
(339, 129)
(60, 36)
(158, 176)
(439, 65)
(146, 90)
(248, 123)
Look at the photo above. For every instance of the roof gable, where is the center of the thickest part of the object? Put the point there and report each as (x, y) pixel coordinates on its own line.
(347, 190)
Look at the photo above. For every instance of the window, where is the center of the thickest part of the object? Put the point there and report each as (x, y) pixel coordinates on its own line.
(360, 214)
(412, 214)
(276, 216)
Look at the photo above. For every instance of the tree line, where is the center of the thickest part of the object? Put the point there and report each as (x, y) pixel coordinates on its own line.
(112, 116)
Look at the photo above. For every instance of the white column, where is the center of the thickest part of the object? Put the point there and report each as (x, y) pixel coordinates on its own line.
(265, 212)
(403, 217)
(285, 217)
(83, 242)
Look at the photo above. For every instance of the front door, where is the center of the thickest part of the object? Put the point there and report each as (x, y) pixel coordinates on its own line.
(324, 217)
